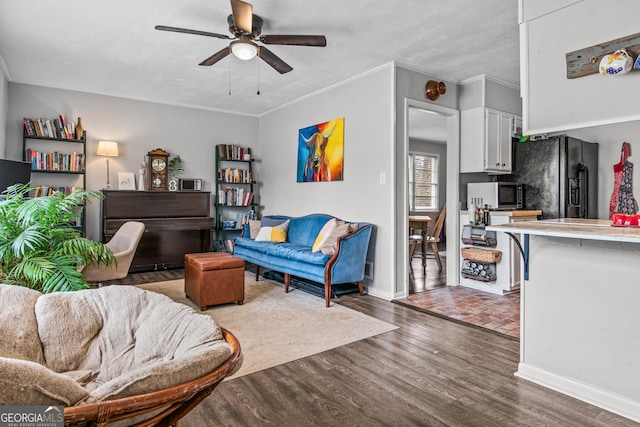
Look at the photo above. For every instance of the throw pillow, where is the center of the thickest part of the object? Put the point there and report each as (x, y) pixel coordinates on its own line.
(277, 233)
(254, 227)
(324, 234)
(271, 222)
(330, 245)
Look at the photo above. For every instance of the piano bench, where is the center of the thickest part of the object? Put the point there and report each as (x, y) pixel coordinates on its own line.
(212, 278)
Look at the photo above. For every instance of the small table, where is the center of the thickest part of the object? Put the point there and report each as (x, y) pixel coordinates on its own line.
(422, 222)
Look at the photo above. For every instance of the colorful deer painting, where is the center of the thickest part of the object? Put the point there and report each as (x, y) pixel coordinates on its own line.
(320, 152)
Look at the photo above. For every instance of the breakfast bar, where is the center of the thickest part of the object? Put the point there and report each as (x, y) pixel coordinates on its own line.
(580, 310)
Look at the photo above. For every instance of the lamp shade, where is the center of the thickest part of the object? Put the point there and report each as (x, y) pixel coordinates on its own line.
(244, 49)
(108, 148)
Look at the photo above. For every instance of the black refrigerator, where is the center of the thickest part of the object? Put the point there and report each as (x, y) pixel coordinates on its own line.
(560, 176)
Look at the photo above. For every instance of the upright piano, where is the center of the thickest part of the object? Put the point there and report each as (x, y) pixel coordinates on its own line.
(176, 223)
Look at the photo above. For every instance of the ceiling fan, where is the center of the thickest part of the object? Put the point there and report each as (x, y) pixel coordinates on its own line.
(247, 29)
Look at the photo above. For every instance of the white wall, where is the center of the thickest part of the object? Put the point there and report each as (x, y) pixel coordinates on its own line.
(366, 103)
(551, 101)
(138, 126)
(4, 107)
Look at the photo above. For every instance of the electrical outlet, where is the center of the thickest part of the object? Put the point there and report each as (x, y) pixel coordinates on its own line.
(383, 178)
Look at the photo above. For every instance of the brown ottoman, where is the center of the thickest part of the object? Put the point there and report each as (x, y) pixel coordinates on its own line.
(212, 278)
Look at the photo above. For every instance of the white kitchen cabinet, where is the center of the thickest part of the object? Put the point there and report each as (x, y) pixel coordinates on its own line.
(485, 140)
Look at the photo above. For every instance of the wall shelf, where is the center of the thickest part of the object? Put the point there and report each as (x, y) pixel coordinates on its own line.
(585, 62)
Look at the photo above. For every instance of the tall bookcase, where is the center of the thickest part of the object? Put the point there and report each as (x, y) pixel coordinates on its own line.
(57, 164)
(235, 196)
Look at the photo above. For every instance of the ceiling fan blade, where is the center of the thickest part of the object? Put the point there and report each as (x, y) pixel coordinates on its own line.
(242, 15)
(297, 40)
(216, 56)
(271, 59)
(188, 31)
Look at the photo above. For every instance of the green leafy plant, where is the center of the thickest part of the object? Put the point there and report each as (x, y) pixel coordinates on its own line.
(176, 167)
(39, 247)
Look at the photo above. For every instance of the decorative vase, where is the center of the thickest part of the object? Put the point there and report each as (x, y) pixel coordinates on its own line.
(79, 129)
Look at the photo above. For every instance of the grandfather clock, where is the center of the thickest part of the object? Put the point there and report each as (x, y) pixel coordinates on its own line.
(157, 170)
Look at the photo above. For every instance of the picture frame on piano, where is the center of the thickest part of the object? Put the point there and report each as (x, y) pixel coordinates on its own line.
(126, 181)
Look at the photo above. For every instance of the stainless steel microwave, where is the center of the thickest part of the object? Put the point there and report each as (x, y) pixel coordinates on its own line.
(496, 195)
(191, 184)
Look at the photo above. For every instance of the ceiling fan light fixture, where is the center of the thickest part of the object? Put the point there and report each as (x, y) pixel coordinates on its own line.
(244, 49)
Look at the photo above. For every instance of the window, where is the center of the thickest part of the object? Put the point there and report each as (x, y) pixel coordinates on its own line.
(423, 182)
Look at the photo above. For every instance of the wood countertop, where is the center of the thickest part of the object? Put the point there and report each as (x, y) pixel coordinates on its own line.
(573, 228)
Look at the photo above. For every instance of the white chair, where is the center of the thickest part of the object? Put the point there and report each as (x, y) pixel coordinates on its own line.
(123, 244)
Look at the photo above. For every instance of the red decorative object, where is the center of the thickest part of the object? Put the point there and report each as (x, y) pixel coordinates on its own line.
(622, 220)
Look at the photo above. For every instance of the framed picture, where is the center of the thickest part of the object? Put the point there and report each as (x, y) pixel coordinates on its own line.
(321, 152)
(126, 181)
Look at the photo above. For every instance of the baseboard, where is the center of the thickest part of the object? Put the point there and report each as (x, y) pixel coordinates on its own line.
(596, 396)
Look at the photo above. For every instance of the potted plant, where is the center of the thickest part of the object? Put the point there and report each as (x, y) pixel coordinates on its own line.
(175, 169)
(39, 246)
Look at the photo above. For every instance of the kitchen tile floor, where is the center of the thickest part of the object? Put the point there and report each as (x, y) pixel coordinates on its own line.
(428, 293)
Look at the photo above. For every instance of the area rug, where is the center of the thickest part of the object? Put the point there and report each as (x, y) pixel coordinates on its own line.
(499, 314)
(275, 328)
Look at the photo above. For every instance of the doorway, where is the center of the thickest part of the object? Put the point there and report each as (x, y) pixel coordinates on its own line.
(434, 128)
(427, 183)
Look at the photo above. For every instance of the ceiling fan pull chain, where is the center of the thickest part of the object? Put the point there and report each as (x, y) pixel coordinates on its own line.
(229, 78)
(258, 93)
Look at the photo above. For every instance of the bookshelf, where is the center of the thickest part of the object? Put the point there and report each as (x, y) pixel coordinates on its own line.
(57, 159)
(235, 197)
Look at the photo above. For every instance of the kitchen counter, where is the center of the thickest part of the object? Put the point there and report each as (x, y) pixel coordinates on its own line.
(573, 228)
(517, 213)
(579, 317)
(508, 271)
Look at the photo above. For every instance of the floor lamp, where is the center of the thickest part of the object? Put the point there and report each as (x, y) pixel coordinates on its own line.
(108, 149)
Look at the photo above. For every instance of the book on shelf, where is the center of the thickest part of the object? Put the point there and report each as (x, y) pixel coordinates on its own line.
(247, 216)
(50, 128)
(233, 152)
(239, 176)
(46, 190)
(55, 161)
(235, 197)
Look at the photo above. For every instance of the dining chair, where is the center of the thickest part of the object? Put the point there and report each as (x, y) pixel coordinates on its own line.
(434, 237)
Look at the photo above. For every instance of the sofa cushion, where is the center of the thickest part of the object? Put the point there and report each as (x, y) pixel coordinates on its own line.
(287, 250)
(324, 234)
(277, 233)
(303, 230)
(17, 309)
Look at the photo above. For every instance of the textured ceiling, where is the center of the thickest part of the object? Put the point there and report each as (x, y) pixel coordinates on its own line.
(111, 47)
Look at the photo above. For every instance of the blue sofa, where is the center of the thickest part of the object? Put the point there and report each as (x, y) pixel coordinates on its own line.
(294, 257)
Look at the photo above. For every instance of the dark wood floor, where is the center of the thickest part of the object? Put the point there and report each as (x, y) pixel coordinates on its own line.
(423, 279)
(429, 372)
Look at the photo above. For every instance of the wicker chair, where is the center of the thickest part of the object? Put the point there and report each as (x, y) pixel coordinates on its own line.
(116, 354)
(173, 403)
